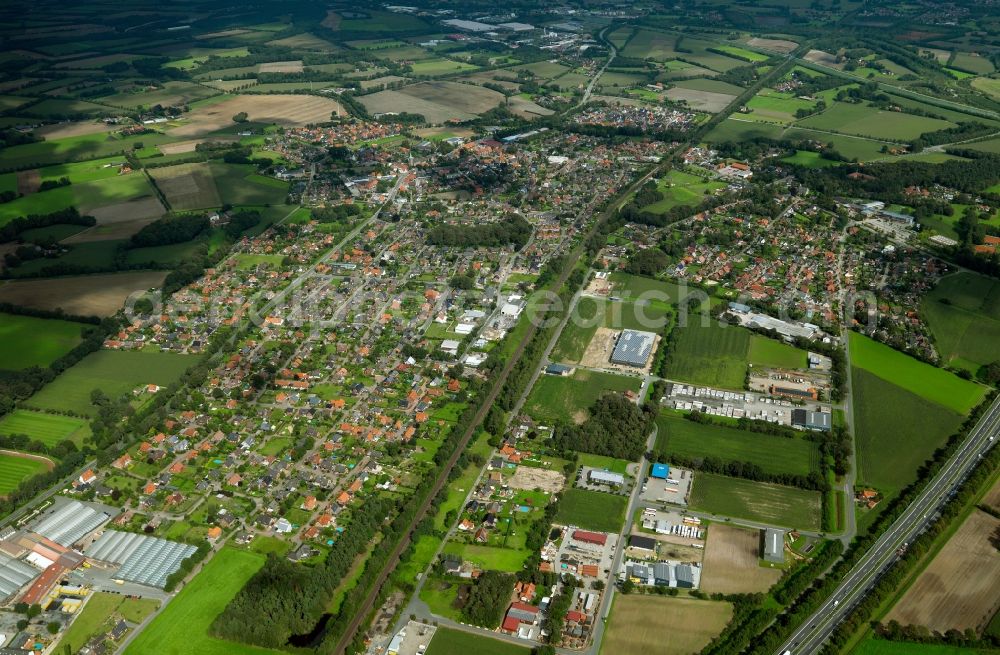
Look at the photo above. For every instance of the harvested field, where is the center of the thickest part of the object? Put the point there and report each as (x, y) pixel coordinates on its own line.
(73, 128)
(289, 110)
(526, 108)
(28, 181)
(181, 147)
(111, 231)
(992, 497)
(83, 295)
(281, 67)
(638, 624)
(130, 210)
(187, 186)
(701, 100)
(961, 587)
(823, 58)
(438, 102)
(529, 477)
(305, 41)
(731, 562)
(778, 45)
(380, 81)
(222, 34)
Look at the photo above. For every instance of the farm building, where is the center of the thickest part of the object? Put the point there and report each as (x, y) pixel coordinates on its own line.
(144, 560)
(807, 420)
(633, 348)
(595, 476)
(597, 538)
(660, 471)
(70, 522)
(773, 549)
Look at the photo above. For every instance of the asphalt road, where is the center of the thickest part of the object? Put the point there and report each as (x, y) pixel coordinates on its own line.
(814, 632)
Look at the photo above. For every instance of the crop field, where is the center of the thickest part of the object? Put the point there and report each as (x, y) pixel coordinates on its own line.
(988, 85)
(440, 66)
(680, 188)
(756, 501)
(960, 589)
(436, 101)
(732, 562)
(736, 129)
(456, 642)
(15, 468)
(963, 314)
(50, 429)
(567, 399)
(778, 45)
(861, 148)
(287, 110)
(715, 86)
(96, 617)
(709, 101)
(776, 107)
(773, 454)
(663, 625)
(652, 45)
(896, 431)
(114, 372)
(742, 53)
(872, 646)
(74, 128)
(592, 510)
(238, 184)
(188, 186)
(196, 606)
(934, 384)
(27, 341)
(713, 355)
(82, 295)
(867, 121)
(174, 93)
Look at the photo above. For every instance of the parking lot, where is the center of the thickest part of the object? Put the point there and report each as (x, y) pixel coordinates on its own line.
(416, 638)
(672, 491)
(733, 404)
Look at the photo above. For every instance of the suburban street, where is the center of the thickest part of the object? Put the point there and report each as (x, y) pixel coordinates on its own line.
(813, 633)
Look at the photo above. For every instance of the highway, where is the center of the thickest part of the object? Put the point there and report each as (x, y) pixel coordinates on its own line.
(810, 637)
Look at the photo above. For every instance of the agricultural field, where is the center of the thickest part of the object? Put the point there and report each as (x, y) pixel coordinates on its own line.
(638, 623)
(708, 101)
(196, 606)
(15, 468)
(872, 646)
(114, 372)
(896, 431)
(963, 314)
(456, 642)
(100, 614)
(592, 510)
(438, 102)
(772, 353)
(27, 341)
(50, 429)
(713, 355)
(867, 121)
(679, 436)
(287, 110)
(732, 562)
(756, 501)
(82, 295)
(960, 589)
(567, 399)
(933, 384)
(188, 186)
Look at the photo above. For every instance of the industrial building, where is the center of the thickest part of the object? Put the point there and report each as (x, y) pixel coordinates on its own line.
(642, 543)
(633, 348)
(595, 476)
(70, 522)
(660, 471)
(664, 574)
(14, 574)
(144, 560)
(806, 420)
(596, 538)
(773, 546)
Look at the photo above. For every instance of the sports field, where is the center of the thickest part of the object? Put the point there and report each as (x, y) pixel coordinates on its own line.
(114, 372)
(27, 341)
(592, 510)
(896, 431)
(566, 399)
(773, 454)
(663, 625)
(455, 642)
(928, 382)
(14, 469)
(196, 606)
(50, 429)
(963, 314)
(713, 355)
(756, 501)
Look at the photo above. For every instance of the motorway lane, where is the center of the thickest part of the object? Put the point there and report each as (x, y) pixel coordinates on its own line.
(814, 632)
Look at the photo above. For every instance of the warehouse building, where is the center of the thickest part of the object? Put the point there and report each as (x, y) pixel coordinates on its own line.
(642, 543)
(664, 574)
(773, 547)
(595, 476)
(660, 471)
(144, 560)
(70, 522)
(596, 538)
(633, 348)
(806, 420)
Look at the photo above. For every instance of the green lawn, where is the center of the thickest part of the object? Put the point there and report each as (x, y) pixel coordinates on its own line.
(100, 614)
(713, 355)
(867, 121)
(773, 454)
(963, 314)
(114, 372)
(27, 341)
(196, 606)
(756, 501)
(808, 159)
(775, 354)
(567, 399)
(50, 429)
(680, 188)
(896, 431)
(15, 469)
(592, 510)
(933, 384)
(456, 642)
(872, 646)
(510, 560)
(604, 463)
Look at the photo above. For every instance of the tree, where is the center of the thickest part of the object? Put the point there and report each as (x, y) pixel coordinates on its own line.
(34, 611)
(240, 117)
(53, 627)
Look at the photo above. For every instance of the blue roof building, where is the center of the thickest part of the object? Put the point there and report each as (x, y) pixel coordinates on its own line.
(660, 471)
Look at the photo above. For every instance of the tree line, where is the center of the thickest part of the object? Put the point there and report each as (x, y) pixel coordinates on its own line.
(512, 230)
